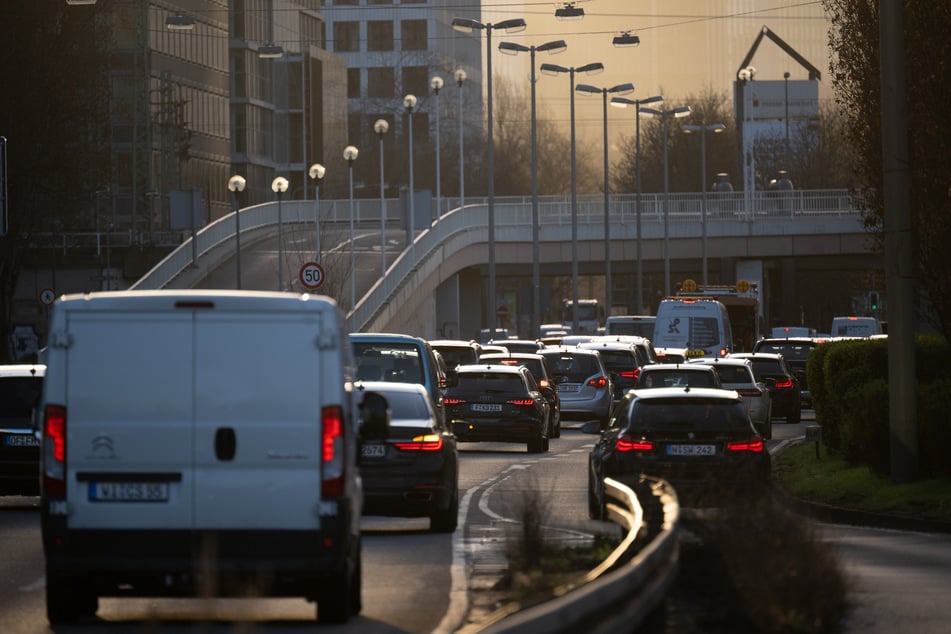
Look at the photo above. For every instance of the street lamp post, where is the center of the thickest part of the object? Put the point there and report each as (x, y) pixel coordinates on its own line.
(554, 69)
(279, 186)
(436, 83)
(460, 76)
(350, 154)
(623, 102)
(677, 113)
(236, 184)
(556, 46)
(409, 102)
(381, 126)
(716, 128)
(620, 89)
(745, 75)
(317, 172)
(467, 25)
(786, 88)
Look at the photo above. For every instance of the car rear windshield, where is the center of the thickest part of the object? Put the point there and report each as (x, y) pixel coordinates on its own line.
(18, 397)
(733, 374)
(618, 360)
(406, 406)
(792, 351)
(490, 383)
(397, 362)
(767, 367)
(573, 367)
(534, 365)
(458, 356)
(678, 413)
(675, 378)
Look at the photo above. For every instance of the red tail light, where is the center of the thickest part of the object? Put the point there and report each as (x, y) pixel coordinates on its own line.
(749, 392)
(332, 451)
(521, 402)
(54, 448)
(453, 401)
(630, 374)
(784, 384)
(754, 445)
(724, 352)
(598, 382)
(428, 442)
(626, 443)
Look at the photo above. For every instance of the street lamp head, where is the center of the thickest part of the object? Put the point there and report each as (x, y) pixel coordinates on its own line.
(270, 51)
(786, 75)
(436, 83)
(466, 25)
(554, 47)
(279, 185)
(622, 102)
(626, 40)
(569, 12)
(592, 69)
(622, 89)
(511, 48)
(746, 74)
(716, 128)
(350, 154)
(76, 3)
(236, 183)
(460, 76)
(515, 25)
(680, 112)
(553, 69)
(317, 171)
(179, 23)
(381, 126)
(587, 88)
(409, 102)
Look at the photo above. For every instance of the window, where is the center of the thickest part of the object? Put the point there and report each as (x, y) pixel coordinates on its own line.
(346, 37)
(416, 80)
(379, 35)
(380, 82)
(353, 83)
(414, 35)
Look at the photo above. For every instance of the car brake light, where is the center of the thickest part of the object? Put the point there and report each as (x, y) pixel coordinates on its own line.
(724, 352)
(453, 401)
(332, 451)
(626, 443)
(754, 445)
(598, 382)
(521, 402)
(427, 442)
(629, 374)
(784, 384)
(749, 392)
(54, 447)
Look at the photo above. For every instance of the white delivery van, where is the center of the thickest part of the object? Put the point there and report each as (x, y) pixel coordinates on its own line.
(199, 443)
(855, 326)
(701, 326)
(637, 325)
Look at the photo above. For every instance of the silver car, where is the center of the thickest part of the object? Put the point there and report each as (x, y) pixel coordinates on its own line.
(737, 374)
(583, 384)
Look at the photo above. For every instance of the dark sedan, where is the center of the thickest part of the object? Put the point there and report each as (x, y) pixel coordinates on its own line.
(414, 470)
(538, 366)
(498, 403)
(780, 380)
(700, 440)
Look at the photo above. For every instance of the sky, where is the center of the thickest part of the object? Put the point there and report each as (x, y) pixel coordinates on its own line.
(687, 47)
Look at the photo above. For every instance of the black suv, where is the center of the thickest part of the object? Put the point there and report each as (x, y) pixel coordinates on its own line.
(796, 350)
(20, 388)
(780, 380)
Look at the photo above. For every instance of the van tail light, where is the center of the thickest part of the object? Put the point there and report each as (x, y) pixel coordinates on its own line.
(332, 451)
(453, 401)
(598, 382)
(753, 445)
(784, 384)
(427, 442)
(754, 392)
(54, 451)
(626, 443)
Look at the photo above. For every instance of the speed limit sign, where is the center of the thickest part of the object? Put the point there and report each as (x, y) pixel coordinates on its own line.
(312, 275)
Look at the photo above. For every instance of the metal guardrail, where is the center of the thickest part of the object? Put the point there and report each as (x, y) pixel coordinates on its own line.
(619, 594)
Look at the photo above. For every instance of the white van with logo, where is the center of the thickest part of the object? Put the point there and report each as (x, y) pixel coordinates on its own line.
(700, 325)
(199, 443)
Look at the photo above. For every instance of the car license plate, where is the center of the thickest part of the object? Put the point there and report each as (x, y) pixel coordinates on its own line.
(486, 407)
(691, 450)
(373, 451)
(569, 387)
(128, 491)
(22, 440)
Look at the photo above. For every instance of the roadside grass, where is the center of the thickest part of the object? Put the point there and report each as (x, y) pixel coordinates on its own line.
(831, 480)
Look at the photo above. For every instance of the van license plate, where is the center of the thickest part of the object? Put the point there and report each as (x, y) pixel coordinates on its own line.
(128, 491)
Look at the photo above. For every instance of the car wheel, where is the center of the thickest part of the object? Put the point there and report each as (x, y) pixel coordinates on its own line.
(537, 444)
(339, 599)
(555, 428)
(595, 508)
(446, 521)
(66, 601)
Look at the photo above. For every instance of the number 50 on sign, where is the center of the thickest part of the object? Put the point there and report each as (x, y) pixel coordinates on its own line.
(312, 275)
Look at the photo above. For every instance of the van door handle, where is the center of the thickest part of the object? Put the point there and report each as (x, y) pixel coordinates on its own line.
(226, 443)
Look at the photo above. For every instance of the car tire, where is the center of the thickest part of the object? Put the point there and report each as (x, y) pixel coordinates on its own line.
(339, 599)
(538, 444)
(67, 601)
(446, 520)
(555, 429)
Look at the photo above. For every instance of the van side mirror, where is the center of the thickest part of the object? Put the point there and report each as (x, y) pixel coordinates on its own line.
(374, 416)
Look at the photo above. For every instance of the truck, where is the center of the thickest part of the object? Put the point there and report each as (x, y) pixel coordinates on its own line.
(742, 304)
(590, 316)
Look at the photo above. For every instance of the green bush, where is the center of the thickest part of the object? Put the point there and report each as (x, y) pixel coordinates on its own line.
(934, 427)
(863, 428)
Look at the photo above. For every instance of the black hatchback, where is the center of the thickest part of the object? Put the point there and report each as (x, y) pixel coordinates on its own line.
(701, 440)
(538, 366)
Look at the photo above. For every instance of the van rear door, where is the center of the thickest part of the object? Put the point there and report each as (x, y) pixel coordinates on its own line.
(129, 418)
(258, 417)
